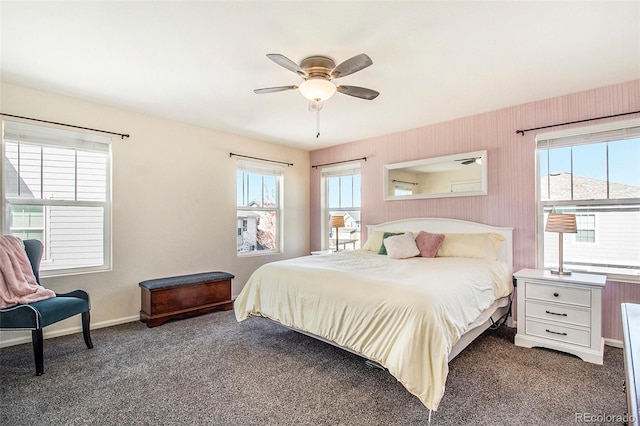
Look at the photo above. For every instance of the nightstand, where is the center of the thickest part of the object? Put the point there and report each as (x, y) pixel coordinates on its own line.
(561, 312)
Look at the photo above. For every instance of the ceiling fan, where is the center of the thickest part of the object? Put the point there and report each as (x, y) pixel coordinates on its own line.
(467, 161)
(318, 72)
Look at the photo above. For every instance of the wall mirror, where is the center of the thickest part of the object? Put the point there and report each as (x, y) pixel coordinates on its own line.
(458, 175)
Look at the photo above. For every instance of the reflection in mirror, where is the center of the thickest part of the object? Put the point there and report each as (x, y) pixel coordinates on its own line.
(456, 175)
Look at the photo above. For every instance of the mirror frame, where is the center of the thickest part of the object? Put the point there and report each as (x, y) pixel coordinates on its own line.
(435, 160)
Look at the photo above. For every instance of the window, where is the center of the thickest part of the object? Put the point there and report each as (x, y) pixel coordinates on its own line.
(56, 189)
(341, 196)
(259, 189)
(592, 172)
(403, 188)
(586, 226)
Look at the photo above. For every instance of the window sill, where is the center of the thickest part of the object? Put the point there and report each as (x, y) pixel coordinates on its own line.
(256, 254)
(70, 272)
(631, 279)
(611, 276)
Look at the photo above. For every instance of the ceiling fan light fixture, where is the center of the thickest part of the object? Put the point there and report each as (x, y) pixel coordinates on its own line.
(317, 89)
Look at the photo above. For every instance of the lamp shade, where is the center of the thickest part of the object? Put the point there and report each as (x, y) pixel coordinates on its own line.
(337, 222)
(561, 222)
(317, 89)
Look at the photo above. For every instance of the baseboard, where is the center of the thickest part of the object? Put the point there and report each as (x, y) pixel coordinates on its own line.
(614, 343)
(94, 326)
(71, 330)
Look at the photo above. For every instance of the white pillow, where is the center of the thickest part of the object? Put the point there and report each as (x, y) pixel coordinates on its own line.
(477, 246)
(374, 241)
(401, 246)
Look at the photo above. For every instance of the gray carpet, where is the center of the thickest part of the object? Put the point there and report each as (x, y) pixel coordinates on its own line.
(211, 370)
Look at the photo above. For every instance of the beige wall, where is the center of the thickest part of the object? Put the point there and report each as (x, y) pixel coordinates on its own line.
(173, 203)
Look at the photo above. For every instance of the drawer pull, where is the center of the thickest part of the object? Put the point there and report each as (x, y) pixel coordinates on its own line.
(555, 294)
(555, 313)
(555, 332)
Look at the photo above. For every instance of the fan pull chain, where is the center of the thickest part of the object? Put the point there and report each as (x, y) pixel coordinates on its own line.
(316, 105)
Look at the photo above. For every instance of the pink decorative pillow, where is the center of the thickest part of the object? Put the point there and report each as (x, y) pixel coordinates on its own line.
(428, 243)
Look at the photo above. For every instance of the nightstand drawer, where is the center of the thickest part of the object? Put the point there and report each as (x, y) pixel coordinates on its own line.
(559, 313)
(558, 332)
(559, 294)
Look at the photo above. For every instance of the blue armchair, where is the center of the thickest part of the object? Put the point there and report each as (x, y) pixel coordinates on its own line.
(37, 315)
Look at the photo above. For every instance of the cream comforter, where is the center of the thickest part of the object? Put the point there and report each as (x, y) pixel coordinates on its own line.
(404, 314)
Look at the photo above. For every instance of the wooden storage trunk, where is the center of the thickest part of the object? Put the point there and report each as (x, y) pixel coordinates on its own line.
(185, 296)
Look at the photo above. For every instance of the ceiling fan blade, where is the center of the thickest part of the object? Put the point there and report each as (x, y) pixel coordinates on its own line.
(287, 63)
(275, 89)
(352, 65)
(358, 92)
(467, 161)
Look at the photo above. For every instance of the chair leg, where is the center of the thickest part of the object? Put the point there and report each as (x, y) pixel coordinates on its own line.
(86, 330)
(36, 338)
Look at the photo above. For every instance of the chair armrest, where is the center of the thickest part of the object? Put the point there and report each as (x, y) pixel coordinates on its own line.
(76, 293)
(19, 317)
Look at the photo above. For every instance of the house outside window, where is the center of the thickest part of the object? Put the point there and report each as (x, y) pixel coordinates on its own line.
(341, 196)
(56, 187)
(593, 173)
(258, 211)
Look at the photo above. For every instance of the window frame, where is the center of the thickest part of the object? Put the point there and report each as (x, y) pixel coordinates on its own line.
(44, 136)
(576, 137)
(263, 169)
(333, 171)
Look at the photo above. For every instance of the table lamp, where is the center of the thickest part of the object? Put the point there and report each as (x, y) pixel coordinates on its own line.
(561, 223)
(337, 222)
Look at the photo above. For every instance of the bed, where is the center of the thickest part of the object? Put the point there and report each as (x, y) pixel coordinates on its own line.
(410, 315)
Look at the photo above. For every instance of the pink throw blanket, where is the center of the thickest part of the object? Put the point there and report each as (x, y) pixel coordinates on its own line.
(17, 282)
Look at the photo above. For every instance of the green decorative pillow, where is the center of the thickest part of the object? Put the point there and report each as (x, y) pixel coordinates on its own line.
(383, 249)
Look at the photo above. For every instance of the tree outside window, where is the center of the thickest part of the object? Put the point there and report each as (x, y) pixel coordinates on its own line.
(258, 215)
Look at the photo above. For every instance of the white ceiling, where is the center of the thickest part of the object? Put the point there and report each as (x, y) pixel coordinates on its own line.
(198, 62)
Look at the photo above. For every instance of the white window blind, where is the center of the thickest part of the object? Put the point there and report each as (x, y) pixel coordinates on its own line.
(341, 171)
(592, 134)
(260, 168)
